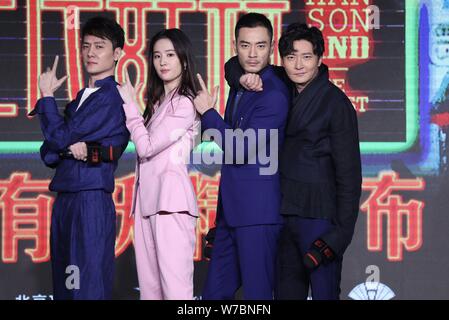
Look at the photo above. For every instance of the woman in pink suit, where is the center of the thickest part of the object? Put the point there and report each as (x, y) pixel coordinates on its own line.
(164, 203)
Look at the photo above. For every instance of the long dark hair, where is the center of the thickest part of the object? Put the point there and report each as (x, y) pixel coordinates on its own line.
(188, 85)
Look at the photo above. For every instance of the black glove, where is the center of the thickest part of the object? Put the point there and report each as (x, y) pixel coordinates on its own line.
(210, 237)
(319, 253)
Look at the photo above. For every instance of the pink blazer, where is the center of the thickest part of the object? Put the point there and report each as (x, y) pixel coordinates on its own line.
(163, 148)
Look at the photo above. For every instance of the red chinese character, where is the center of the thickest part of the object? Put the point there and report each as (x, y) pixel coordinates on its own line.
(123, 194)
(206, 189)
(404, 219)
(25, 217)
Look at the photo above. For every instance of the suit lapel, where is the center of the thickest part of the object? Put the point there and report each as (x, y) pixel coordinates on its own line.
(161, 110)
(231, 98)
(85, 103)
(243, 106)
(246, 101)
(155, 114)
(70, 110)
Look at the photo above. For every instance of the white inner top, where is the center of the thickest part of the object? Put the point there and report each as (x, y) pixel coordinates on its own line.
(87, 92)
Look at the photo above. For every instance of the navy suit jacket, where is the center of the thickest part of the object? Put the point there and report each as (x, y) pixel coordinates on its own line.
(247, 197)
(100, 119)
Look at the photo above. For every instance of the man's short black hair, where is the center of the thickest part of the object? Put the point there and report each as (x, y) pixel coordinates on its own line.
(253, 20)
(300, 31)
(105, 28)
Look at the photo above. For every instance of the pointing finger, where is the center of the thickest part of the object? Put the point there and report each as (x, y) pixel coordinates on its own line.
(201, 81)
(55, 64)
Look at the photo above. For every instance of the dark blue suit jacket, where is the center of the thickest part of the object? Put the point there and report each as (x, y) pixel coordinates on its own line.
(100, 119)
(246, 196)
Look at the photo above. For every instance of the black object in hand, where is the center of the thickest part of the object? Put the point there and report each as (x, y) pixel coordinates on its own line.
(319, 253)
(97, 153)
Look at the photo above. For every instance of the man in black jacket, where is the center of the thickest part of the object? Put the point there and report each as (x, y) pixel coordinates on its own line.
(320, 168)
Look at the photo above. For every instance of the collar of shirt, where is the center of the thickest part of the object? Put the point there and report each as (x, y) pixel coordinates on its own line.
(100, 82)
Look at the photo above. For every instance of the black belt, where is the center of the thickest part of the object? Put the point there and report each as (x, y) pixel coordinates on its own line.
(97, 153)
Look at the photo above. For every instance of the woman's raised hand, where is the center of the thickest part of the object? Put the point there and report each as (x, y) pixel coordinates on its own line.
(127, 91)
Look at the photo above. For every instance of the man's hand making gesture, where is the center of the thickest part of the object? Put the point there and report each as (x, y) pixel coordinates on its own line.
(48, 83)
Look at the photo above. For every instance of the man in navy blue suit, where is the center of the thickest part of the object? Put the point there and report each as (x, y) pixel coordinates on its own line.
(248, 214)
(84, 147)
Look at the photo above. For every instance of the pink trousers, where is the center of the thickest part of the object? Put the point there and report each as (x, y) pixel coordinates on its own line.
(165, 245)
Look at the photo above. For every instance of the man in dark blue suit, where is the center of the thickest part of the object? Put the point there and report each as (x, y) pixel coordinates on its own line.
(84, 147)
(248, 214)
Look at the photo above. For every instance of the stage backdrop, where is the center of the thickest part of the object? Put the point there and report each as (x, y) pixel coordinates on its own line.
(390, 57)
